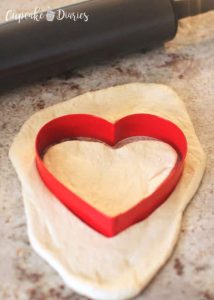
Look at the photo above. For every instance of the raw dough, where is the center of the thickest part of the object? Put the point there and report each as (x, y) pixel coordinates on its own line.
(93, 265)
(112, 180)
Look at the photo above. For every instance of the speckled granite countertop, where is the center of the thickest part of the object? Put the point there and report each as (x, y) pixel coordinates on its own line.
(187, 65)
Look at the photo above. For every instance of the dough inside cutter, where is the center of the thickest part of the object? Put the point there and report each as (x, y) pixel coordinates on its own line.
(112, 179)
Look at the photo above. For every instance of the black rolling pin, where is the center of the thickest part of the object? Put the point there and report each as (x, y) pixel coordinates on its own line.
(31, 50)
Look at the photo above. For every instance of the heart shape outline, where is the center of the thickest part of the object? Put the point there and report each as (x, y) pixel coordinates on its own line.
(89, 126)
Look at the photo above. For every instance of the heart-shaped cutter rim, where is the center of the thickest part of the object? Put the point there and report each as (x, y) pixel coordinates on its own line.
(74, 126)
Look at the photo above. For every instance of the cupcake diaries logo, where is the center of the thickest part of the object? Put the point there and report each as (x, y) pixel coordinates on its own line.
(50, 15)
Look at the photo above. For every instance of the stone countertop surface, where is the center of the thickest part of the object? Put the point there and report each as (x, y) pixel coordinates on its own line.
(187, 65)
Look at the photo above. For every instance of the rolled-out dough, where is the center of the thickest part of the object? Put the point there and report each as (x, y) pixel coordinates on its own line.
(91, 264)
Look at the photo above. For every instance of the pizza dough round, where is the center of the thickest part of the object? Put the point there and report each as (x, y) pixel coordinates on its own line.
(91, 264)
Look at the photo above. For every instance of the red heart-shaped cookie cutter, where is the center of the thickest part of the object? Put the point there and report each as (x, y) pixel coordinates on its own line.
(88, 126)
